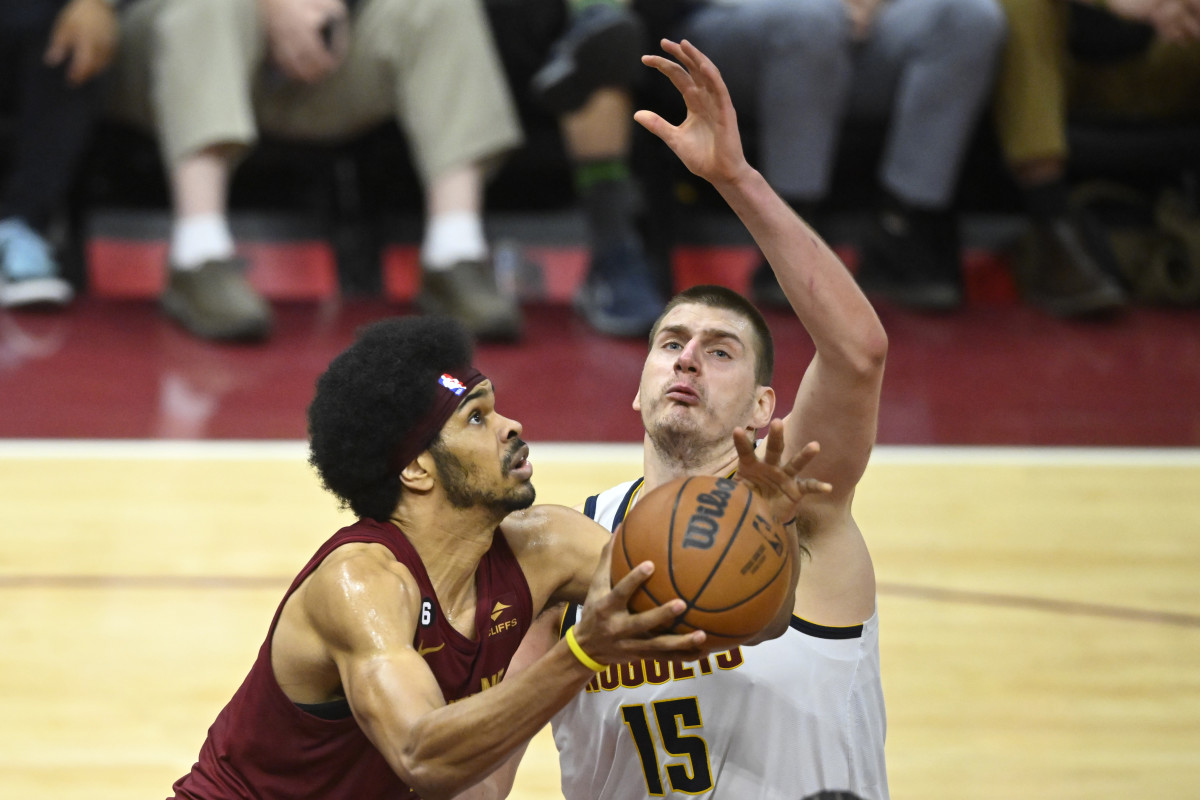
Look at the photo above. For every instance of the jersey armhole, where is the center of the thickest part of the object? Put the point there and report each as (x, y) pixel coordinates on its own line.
(569, 615)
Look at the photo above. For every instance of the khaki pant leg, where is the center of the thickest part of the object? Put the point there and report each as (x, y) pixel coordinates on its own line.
(1030, 104)
(431, 65)
(185, 70)
(1161, 86)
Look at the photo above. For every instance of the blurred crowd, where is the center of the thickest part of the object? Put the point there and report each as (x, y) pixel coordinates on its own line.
(462, 79)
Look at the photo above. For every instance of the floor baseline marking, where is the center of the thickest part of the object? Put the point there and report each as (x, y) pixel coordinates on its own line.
(912, 591)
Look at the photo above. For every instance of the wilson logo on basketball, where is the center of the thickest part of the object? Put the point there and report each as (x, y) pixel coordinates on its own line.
(699, 533)
(710, 507)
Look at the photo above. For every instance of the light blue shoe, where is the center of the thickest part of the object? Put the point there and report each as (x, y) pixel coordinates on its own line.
(29, 274)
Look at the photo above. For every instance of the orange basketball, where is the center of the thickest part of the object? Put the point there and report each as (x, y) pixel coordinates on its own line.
(715, 546)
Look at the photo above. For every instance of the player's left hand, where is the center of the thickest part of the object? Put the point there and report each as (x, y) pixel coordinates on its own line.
(779, 484)
(707, 141)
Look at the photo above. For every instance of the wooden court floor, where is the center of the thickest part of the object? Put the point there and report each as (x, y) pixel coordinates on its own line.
(1040, 611)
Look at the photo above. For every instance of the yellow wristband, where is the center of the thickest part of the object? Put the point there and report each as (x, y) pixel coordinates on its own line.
(584, 658)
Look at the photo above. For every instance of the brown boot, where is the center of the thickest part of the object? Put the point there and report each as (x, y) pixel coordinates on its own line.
(467, 291)
(1070, 268)
(215, 301)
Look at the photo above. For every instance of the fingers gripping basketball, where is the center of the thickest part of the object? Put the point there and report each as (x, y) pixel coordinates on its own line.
(715, 546)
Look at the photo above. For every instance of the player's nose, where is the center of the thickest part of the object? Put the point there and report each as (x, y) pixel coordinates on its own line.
(688, 359)
(511, 428)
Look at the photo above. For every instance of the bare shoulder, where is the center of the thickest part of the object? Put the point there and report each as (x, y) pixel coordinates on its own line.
(534, 530)
(356, 599)
(361, 561)
(354, 583)
(558, 548)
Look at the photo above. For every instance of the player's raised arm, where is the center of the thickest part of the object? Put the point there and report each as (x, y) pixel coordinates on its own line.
(837, 403)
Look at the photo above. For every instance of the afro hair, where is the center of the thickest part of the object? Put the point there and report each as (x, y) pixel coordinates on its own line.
(370, 397)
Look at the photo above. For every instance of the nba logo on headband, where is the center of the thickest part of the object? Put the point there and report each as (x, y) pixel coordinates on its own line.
(425, 429)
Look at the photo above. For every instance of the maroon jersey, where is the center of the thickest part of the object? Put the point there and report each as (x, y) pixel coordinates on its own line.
(263, 745)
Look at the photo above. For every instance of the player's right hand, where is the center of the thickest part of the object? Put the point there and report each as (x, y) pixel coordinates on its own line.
(610, 634)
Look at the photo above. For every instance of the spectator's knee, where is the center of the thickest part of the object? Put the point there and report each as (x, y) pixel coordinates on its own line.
(418, 15)
(193, 21)
(980, 24)
(813, 30)
(1021, 8)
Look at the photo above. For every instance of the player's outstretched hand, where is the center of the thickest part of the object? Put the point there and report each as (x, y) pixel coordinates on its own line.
(707, 141)
(779, 484)
(610, 634)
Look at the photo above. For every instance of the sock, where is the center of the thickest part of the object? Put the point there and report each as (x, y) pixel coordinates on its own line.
(1048, 200)
(574, 7)
(610, 202)
(195, 240)
(451, 238)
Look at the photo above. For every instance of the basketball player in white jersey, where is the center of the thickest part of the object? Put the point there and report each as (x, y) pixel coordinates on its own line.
(799, 717)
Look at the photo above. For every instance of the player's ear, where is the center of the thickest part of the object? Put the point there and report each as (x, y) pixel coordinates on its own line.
(764, 406)
(419, 475)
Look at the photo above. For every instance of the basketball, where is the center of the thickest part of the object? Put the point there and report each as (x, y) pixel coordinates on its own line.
(715, 546)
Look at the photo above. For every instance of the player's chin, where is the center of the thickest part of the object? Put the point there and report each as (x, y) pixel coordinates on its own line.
(679, 419)
(521, 497)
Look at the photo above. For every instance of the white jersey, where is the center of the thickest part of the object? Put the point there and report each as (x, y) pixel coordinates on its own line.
(800, 716)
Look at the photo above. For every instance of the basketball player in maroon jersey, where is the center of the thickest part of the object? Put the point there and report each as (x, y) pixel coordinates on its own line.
(370, 683)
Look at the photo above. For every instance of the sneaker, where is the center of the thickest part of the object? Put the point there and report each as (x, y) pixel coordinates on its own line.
(1070, 268)
(215, 301)
(618, 297)
(467, 291)
(28, 272)
(913, 259)
(601, 47)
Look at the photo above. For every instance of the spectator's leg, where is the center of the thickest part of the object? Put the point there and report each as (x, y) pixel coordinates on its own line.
(186, 69)
(1030, 100)
(600, 48)
(1163, 85)
(940, 59)
(432, 65)
(54, 125)
(927, 68)
(788, 67)
(1069, 267)
(789, 72)
(619, 296)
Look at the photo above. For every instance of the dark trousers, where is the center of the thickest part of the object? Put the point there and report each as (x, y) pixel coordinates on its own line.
(50, 122)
